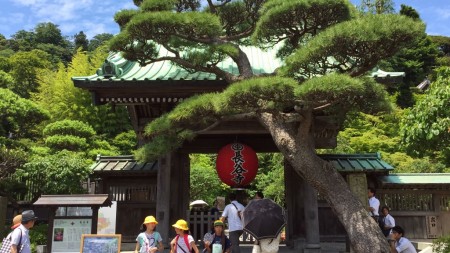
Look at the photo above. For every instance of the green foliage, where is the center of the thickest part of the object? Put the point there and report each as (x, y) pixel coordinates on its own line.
(442, 244)
(205, 183)
(365, 133)
(126, 142)
(349, 43)
(443, 44)
(377, 6)
(124, 16)
(38, 234)
(68, 134)
(49, 33)
(99, 40)
(5, 65)
(409, 12)
(6, 80)
(61, 173)
(425, 129)
(417, 61)
(102, 147)
(63, 100)
(270, 177)
(69, 127)
(10, 160)
(69, 142)
(156, 5)
(23, 40)
(25, 67)
(81, 41)
(238, 17)
(18, 116)
(404, 163)
(259, 95)
(298, 20)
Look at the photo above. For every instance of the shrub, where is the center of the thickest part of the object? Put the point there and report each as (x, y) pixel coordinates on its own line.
(442, 244)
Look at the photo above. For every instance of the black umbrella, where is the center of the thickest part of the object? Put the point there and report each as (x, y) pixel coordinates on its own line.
(263, 218)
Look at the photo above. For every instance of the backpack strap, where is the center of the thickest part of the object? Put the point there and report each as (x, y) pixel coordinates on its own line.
(187, 242)
(238, 212)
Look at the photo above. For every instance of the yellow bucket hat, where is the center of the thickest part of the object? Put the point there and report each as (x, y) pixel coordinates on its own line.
(181, 224)
(150, 219)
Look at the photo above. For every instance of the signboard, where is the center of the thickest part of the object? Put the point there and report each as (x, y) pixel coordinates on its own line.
(432, 227)
(100, 243)
(67, 233)
(107, 219)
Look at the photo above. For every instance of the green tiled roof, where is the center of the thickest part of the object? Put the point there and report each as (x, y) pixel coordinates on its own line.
(383, 74)
(262, 62)
(358, 162)
(123, 164)
(343, 163)
(416, 179)
(116, 68)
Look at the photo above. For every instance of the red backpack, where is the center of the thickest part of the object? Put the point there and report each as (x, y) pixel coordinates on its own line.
(186, 241)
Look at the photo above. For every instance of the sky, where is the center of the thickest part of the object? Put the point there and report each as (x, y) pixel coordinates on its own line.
(95, 17)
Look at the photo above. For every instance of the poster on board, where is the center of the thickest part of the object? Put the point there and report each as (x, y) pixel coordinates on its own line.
(100, 243)
(67, 234)
(107, 219)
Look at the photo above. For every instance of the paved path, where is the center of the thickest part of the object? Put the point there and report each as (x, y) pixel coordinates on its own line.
(423, 245)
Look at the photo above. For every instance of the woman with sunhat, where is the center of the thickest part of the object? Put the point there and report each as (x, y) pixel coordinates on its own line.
(149, 241)
(183, 242)
(17, 220)
(217, 237)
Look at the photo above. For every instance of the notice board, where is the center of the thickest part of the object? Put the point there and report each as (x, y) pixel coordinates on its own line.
(91, 243)
(67, 233)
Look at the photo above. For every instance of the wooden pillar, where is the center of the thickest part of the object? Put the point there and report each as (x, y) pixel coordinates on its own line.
(163, 188)
(172, 198)
(311, 219)
(51, 221)
(295, 228)
(3, 209)
(94, 219)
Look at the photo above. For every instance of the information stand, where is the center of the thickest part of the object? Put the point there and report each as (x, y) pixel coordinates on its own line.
(71, 216)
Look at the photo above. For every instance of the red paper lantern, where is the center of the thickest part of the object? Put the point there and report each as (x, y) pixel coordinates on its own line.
(237, 165)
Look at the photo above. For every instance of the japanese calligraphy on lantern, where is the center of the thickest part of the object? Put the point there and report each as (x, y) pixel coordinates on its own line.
(237, 165)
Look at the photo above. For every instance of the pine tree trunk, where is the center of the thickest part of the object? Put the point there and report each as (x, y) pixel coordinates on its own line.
(295, 142)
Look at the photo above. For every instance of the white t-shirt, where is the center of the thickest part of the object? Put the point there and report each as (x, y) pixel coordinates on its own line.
(231, 213)
(375, 203)
(147, 241)
(181, 246)
(20, 237)
(404, 246)
(389, 221)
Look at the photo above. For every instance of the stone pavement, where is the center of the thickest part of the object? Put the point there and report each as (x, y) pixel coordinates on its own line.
(326, 248)
(423, 246)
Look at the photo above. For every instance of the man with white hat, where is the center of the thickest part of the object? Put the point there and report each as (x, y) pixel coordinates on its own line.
(20, 238)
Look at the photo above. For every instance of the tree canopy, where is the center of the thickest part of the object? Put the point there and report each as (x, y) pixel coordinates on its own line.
(328, 49)
(426, 127)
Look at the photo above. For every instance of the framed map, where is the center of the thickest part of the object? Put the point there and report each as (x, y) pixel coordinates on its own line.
(91, 243)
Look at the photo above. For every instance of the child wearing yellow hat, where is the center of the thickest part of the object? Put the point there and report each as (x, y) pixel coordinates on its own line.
(183, 242)
(149, 241)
